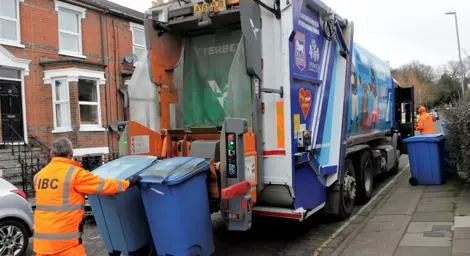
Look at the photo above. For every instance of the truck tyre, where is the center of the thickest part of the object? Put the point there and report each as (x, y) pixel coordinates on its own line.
(347, 190)
(365, 178)
(394, 170)
(395, 141)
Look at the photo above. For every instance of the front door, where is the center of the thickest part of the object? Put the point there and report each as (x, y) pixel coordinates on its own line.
(12, 111)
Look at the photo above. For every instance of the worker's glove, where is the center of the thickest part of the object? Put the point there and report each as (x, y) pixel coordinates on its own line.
(134, 180)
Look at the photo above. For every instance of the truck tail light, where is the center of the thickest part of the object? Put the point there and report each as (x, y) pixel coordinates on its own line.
(19, 192)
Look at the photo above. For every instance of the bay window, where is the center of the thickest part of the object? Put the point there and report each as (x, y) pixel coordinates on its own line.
(89, 103)
(61, 101)
(82, 109)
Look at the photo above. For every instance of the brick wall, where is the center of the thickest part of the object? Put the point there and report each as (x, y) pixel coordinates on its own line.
(39, 34)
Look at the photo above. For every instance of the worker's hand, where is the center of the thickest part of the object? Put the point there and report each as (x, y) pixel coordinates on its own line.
(134, 180)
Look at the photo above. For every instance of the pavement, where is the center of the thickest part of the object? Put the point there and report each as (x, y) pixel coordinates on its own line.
(419, 220)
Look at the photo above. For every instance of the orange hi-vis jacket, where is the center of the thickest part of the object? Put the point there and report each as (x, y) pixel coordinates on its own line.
(425, 124)
(60, 201)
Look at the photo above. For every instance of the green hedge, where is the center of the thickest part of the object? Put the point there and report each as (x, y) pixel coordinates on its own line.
(457, 122)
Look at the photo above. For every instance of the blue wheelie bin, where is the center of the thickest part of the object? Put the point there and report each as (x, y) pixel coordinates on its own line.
(121, 218)
(175, 197)
(426, 154)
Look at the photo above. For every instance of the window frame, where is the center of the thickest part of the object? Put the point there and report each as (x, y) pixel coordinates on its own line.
(81, 14)
(133, 28)
(68, 127)
(90, 127)
(73, 75)
(17, 42)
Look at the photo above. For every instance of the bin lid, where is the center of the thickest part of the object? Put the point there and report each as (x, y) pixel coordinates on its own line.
(425, 138)
(124, 167)
(173, 171)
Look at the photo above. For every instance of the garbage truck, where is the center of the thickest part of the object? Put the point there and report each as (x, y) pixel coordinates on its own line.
(292, 114)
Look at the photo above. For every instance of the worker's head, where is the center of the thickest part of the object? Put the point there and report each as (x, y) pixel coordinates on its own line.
(421, 109)
(62, 147)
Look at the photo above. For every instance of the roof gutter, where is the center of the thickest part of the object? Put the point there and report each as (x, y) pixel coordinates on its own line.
(103, 9)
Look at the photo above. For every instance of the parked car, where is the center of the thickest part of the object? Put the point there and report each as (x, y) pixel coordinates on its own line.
(16, 220)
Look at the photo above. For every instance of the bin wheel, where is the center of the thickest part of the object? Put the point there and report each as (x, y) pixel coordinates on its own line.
(413, 181)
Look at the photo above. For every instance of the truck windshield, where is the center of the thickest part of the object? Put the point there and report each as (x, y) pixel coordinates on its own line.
(213, 79)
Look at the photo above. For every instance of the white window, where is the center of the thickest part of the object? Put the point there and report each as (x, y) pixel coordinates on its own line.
(70, 29)
(61, 108)
(89, 101)
(88, 105)
(10, 22)
(138, 40)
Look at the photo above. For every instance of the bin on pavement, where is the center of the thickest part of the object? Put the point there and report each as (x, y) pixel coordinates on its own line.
(121, 218)
(426, 154)
(174, 192)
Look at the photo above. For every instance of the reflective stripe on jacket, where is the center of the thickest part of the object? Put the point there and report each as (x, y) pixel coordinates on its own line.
(60, 201)
(426, 124)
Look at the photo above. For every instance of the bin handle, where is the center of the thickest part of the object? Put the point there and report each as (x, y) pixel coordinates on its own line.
(157, 191)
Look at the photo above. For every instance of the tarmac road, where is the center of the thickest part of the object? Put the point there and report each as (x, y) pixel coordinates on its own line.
(273, 236)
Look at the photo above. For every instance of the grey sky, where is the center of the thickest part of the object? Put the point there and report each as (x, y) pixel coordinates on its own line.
(398, 30)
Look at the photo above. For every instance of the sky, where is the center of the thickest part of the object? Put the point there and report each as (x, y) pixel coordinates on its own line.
(398, 31)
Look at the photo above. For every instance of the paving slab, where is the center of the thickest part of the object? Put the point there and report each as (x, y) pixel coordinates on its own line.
(387, 223)
(437, 200)
(462, 233)
(461, 247)
(438, 234)
(423, 251)
(446, 227)
(447, 187)
(432, 216)
(421, 227)
(462, 206)
(418, 239)
(403, 201)
(445, 194)
(435, 205)
(373, 244)
(462, 221)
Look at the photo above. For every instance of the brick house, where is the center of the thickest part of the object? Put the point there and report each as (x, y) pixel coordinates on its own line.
(62, 71)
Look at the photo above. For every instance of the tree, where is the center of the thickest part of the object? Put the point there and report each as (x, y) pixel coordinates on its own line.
(419, 75)
(447, 89)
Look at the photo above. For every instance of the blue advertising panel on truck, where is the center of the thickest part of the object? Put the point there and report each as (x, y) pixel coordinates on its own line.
(372, 94)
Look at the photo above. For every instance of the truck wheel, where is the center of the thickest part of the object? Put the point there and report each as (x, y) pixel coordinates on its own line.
(347, 191)
(394, 170)
(395, 141)
(365, 178)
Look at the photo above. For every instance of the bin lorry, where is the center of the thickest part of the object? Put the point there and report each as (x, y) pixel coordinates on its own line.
(293, 115)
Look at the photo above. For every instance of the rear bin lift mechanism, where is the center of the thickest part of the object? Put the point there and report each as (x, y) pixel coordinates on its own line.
(236, 200)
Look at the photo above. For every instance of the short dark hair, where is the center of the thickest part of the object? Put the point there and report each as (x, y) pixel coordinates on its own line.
(62, 147)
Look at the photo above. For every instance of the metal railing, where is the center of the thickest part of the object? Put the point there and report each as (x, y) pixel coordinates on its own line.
(30, 163)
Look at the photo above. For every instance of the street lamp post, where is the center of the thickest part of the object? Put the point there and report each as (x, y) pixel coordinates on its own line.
(460, 53)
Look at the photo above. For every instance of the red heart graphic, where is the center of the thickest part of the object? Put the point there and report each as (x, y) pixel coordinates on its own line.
(305, 101)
